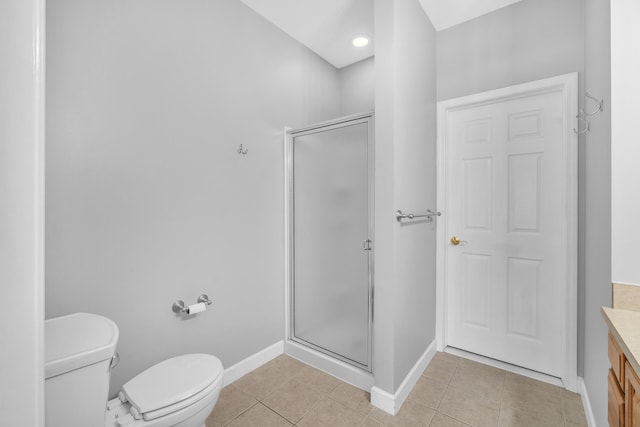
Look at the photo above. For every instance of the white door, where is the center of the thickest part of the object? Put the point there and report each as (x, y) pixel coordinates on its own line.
(505, 172)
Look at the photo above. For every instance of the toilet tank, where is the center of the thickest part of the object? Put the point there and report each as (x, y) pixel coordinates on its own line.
(78, 353)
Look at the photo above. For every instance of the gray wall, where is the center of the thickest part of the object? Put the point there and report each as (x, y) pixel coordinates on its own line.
(529, 40)
(598, 206)
(357, 87)
(405, 101)
(148, 200)
(383, 349)
(526, 41)
(415, 185)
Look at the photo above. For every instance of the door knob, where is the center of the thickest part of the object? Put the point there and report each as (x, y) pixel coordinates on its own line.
(455, 241)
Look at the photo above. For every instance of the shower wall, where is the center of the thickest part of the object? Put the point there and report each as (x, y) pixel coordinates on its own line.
(147, 198)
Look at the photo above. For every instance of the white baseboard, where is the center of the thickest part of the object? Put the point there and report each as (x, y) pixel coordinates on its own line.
(383, 400)
(391, 403)
(586, 403)
(240, 369)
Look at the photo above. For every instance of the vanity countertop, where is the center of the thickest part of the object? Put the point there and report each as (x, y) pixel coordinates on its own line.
(624, 325)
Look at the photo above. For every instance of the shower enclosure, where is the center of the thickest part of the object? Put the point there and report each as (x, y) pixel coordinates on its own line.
(330, 198)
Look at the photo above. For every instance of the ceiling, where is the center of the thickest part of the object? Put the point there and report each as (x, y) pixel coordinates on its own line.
(327, 27)
(447, 13)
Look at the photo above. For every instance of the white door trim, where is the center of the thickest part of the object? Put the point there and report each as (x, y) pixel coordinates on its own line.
(568, 85)
(22, 157)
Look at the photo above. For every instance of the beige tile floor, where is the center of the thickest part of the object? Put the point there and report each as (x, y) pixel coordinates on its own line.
(451, 392)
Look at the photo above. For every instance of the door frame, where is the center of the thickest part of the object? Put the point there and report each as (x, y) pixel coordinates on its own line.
(22, 222)
(289, 232)
(567, 84)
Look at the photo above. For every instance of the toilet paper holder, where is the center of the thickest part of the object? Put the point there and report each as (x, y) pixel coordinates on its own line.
(179, 307)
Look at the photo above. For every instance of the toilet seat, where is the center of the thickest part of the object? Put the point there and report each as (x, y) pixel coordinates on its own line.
(172, 385)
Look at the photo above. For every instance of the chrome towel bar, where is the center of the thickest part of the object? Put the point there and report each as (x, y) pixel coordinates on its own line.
(400, 215)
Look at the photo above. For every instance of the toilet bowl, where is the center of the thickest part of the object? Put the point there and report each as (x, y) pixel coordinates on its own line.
(79, 355)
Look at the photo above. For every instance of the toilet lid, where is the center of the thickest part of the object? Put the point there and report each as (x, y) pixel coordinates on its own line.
(172, 381)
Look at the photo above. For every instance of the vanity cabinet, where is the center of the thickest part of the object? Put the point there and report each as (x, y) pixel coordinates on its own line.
(632, 397)
(616, 383)
(617, 359)
(624, 389)
(616, 401)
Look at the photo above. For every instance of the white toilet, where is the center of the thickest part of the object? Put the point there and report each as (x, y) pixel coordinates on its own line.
(79, 354)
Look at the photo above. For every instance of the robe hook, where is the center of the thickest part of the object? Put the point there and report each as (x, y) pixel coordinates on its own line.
(599, 105)
(587, 127)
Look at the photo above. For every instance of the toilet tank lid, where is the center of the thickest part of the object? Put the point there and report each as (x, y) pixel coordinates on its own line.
(172, 381)
(77, 340)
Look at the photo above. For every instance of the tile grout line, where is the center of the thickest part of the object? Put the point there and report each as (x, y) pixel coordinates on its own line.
(442, 398)
(458, 365)
(504, 385)
(345, 406)
(564, 411)
(323, 395)
(449, 381)
(314, 406)
(277, 413)
(448, 384)
(366, 418)
(226, 423)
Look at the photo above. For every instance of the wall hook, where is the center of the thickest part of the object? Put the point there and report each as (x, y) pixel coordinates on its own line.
(587, 125)
(599, 105)
(582, 116)
(242, 150)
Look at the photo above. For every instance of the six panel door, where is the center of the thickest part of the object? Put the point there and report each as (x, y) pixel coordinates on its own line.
(506, 206)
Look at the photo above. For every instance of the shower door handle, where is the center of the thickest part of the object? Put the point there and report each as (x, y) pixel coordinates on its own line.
(366, 245)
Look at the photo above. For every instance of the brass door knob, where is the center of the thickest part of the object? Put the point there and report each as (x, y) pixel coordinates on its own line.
(455, 241)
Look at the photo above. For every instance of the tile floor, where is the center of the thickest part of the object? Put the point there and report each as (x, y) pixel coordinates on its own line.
(451, 392)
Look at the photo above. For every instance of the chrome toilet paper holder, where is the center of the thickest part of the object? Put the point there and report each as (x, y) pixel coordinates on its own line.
(180, 307)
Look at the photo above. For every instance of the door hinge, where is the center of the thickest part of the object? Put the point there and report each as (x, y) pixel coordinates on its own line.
(366, 245)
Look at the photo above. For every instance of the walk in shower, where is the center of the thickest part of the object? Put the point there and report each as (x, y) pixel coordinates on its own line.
(330, 248)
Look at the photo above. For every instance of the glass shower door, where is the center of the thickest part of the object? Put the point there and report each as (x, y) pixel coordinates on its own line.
(331, 232)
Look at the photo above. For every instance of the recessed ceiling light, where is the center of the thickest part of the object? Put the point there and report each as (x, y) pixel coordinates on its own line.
(360, 41)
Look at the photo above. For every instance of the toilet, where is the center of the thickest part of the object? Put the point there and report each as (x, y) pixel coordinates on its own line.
(80, 351)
